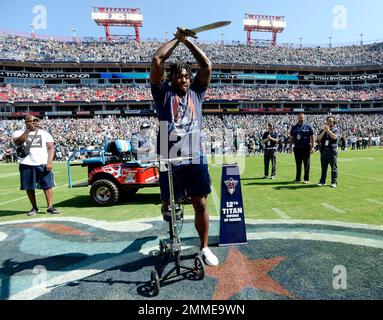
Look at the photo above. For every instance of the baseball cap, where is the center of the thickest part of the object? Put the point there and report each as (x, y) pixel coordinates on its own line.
(145, 125)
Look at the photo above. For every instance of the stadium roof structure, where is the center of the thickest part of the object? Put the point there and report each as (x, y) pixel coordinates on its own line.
(118, 17)
(263, 23)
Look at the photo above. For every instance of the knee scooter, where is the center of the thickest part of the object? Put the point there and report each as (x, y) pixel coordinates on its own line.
(171, 248)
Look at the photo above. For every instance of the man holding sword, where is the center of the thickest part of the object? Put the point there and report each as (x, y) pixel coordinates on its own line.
(178, 102)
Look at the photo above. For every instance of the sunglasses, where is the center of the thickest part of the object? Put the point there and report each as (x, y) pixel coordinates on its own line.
(34, 120)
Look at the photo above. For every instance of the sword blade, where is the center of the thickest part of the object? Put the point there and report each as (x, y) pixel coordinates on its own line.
(211, 26)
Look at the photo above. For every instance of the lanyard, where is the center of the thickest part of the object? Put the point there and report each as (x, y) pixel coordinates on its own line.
(190, 104)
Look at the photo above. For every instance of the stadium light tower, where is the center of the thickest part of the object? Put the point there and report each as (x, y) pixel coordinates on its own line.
(262, 23)
(118, 17)
(74, 34)
(33, 30)
(361, 39)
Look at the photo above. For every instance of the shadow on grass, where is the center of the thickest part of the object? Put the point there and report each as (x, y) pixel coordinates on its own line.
(265, 182)
(7, 213)
(296, 187)
(84, 201)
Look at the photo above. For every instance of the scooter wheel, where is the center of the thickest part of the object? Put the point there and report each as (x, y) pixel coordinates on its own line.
(199, 269)
(154, 283)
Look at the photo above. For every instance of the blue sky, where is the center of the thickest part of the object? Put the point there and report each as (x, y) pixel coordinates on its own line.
(312, 20)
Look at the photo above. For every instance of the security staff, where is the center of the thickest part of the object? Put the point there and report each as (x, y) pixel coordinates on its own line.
(142, 146)
(328, 140)
(302, 135)
(270, 139)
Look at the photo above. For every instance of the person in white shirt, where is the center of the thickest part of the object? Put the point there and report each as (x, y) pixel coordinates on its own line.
(36, 168)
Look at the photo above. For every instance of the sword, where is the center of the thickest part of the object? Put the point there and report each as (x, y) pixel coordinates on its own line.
(193, 32)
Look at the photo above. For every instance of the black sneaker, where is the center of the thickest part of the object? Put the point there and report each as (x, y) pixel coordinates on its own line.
(53, 210)
(33, 211)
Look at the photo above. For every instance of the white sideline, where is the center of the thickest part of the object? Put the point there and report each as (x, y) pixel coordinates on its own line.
(316, 236)
(333, 208)
(375, 201)
(280, 213)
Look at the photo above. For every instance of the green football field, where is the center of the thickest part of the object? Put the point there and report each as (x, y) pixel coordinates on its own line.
(358, 198)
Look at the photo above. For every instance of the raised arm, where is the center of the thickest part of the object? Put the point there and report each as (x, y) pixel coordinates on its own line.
(21, 139)
(204, 74)
(158, 61)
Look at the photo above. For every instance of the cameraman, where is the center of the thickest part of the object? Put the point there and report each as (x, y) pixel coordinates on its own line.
(36, 167)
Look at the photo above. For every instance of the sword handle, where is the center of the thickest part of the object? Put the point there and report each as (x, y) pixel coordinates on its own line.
(187, 32)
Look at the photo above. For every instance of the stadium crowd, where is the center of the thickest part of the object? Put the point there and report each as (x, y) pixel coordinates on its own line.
(29, 49)
(226, 133)
(18, 94)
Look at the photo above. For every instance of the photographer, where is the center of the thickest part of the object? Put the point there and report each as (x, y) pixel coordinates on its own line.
(36, 164)
(328, 140)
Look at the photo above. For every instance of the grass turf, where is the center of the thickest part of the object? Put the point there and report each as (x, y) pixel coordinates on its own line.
(358, 198)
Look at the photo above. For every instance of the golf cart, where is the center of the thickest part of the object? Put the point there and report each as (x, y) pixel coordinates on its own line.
(114, 173)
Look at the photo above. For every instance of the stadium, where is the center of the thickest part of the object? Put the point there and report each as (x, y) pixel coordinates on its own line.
(86, 91)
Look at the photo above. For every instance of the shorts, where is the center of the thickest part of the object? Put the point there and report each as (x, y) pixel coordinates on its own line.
(192, 180)
(30, 175)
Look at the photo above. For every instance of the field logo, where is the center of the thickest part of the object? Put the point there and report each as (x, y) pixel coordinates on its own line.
(340, 20)
(339, 281)
(40, 21)
(231, 184)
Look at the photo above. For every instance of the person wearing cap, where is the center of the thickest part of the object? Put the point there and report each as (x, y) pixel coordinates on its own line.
(142, 146)
(270, 139)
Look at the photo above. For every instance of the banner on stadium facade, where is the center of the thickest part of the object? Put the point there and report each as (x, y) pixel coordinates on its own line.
(45, 75)
(232, 228)
(58, 113)
(24, 114)
(83, 113)
(254, 76)
(108, 112)
(339, 77)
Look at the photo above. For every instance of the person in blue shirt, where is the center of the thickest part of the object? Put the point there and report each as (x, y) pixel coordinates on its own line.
(178, 103)
(328, 141)
(302, 136)
(142, 146)
(270, 139)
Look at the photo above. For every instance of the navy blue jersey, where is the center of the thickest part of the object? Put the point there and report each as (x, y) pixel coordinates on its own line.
(301, 135)
(270, 145)
(329, 143)
(180, 120)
